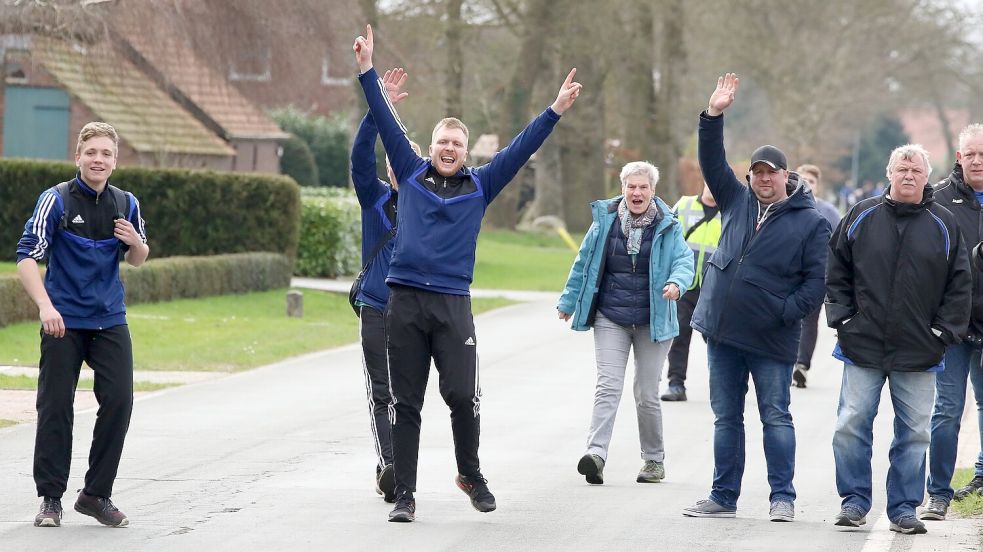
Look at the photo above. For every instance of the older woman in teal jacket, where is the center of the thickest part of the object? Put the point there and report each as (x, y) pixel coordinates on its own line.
(632, 267)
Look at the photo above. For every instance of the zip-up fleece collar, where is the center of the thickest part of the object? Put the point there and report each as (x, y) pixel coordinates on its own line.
(86, 188)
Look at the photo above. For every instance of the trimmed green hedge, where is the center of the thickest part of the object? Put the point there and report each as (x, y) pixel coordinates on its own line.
(331, 234)
(171, 278)
(187, 212)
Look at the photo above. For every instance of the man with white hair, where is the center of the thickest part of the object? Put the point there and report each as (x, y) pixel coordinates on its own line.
(961, 193)
(898, 292)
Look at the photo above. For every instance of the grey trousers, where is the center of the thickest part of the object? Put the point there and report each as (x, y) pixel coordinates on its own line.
(611, 346)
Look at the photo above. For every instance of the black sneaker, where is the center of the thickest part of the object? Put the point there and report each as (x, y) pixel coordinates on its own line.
(675, 393)
(405, 510)
(591, 466)
(385, 483)
(50, 514)
(973, 487)
(799, 375)
(909, 525)
(102, 509)
(477, 490)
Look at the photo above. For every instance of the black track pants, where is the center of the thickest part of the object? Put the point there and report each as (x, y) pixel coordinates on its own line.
(679, 351)
(109, 353)
(376, 366)
(422, 325)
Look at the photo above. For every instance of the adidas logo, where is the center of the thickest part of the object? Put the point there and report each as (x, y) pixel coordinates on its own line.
(78, 220)
(957, 200)
(470, 341)
(430, 180)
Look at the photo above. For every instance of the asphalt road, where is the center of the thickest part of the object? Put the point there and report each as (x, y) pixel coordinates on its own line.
(280, 458)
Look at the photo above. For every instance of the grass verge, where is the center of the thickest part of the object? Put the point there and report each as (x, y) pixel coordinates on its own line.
(26, 383)
(522, 260)
(971, 506)
(227, 333)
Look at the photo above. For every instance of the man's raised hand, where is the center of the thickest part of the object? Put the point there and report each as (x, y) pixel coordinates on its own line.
(363, 50)
(568, 93)
(724, 95)
(393, 82)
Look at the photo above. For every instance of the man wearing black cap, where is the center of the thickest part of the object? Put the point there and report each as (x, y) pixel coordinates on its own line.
(766, 275)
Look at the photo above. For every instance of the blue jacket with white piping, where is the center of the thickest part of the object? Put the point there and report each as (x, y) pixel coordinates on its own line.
(82, 277)
(898, 284)
(377, 200)
(671, 260)
(760, 282)
(439, 218)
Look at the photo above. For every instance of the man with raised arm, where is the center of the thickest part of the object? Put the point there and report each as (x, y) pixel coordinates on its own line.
(765, 276)
(441, 204)
(377, 200)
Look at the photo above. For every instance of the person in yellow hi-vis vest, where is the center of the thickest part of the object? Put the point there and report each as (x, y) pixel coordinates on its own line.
(700, 219)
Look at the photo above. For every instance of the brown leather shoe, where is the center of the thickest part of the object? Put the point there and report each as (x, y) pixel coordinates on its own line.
(102, 509)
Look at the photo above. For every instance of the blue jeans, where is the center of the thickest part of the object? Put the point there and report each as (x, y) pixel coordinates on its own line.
(961, 360)
(729, 370)
(912, 394)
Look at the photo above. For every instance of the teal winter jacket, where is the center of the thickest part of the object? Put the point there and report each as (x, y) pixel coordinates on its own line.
(671, 261)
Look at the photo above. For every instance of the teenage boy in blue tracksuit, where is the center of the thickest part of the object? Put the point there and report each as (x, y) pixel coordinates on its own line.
(83, 318)
(441, 204)
(377, 199)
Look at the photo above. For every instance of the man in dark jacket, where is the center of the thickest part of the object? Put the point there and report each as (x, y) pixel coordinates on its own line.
(961, 194)
(766, 275)
(898, 292)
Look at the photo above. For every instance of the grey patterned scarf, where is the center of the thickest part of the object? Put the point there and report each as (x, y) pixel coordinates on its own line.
(632, 226)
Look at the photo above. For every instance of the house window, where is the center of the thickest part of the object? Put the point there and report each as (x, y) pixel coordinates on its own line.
(251, 66)
(14, 63)
(329, 76)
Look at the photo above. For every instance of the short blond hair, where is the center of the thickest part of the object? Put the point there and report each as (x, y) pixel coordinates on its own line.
(811, 169)
(97, 129)
(449, 122)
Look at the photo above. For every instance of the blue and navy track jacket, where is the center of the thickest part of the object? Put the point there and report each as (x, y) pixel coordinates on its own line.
(82, 279)
(375, 198)
(760, 282)
(438, 233)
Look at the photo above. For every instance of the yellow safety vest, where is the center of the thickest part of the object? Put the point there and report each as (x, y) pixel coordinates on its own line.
(704, 238)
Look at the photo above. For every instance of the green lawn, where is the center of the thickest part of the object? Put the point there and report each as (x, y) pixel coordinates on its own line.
(8, 268)
(971, 506)
(30, 383)
(227, 333)
(520, 260)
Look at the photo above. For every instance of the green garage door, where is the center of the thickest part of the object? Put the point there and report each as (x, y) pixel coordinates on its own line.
(35, 123)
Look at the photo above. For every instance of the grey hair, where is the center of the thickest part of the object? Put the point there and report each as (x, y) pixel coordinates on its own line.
(967, 133)
(640, 167)
(906, 153)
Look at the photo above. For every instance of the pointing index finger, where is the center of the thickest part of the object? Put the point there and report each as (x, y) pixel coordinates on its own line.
(368, 33)
(569, 78)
